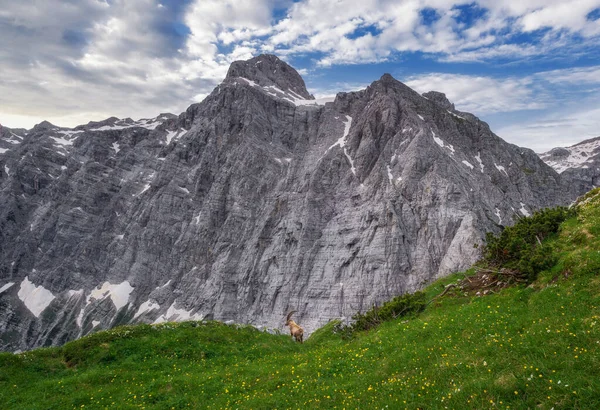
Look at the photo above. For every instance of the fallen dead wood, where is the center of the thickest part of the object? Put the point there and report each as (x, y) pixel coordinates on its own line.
(450, 286)
(486, 280)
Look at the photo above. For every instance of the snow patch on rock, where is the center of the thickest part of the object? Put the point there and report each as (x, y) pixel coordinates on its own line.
(342, 143)
(6, 287)
(35, 298)
(69, 133)
(288, 95)
(575, 156)
(456, 115)
(174, 135)
(524, 210)
(478, 158)
(144, 189)
(63, 141)
(163, 286)
(501, 168)
(498, 215)
(441, 142)
(147, 306)
(119, 293)
(177, 315)
(72, 292)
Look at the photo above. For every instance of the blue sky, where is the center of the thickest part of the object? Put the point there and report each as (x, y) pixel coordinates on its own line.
(530, 68)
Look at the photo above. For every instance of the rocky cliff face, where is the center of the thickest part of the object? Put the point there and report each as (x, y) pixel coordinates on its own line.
(252, 203)
(579, 165)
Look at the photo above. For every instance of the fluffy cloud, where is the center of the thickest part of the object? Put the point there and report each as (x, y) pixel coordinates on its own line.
(226, 21)
(119, 57)
(559, 128)
(69, 60)
(352, 31)
(548, 108)
(486, 94)
(480, 94)
(60, 60)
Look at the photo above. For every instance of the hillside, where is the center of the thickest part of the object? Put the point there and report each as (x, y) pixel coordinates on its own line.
(521, 346)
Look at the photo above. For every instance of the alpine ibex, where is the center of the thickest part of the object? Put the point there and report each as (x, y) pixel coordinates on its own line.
(295, 330)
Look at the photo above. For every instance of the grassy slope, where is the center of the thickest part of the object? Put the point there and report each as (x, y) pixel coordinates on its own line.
(524, 347)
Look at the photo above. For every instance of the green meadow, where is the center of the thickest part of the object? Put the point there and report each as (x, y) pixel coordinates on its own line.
(528, 341)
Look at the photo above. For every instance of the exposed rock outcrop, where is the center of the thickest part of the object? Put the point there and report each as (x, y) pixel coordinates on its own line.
(579, 164)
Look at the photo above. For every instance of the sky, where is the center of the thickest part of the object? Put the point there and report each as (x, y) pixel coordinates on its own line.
(530, 68)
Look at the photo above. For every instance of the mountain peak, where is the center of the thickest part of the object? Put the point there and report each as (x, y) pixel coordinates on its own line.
(587, 141)
(44, 125)
(387, 77)
(268, 70)
(440, 99)
(582, 157)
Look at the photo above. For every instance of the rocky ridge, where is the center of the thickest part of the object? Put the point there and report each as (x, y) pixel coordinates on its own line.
(256, 201)
(579, 164)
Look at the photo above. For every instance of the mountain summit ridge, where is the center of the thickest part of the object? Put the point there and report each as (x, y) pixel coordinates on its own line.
(579, 164)
(268, 70)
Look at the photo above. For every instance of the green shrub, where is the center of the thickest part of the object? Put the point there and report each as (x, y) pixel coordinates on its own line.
(402, 305)
(535, 260)
(520, 247)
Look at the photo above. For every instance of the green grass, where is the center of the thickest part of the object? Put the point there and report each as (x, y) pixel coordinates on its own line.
(523, 347)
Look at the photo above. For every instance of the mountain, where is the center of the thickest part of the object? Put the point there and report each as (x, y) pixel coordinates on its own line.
(254, 202)
(579, 164)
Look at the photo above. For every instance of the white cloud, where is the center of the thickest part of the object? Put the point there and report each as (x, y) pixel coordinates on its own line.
(559, 15)
(481, 94)
(225, 20)
(555, 129)
(62, 59)
(351, 31)
(576, 75)
(549, 109)
(101, 60)
(487, 94)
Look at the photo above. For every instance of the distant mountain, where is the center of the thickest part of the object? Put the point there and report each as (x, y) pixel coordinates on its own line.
(256, 201)
(579, 164)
